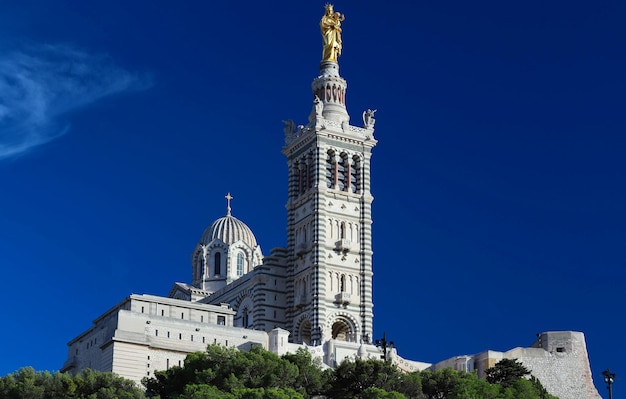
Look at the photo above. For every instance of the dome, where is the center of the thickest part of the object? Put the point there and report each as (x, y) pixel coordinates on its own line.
(229, 229)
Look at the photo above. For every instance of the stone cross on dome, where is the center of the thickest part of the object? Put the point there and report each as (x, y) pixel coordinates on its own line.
(228, 198)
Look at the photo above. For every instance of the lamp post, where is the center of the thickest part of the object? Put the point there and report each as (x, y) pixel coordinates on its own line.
(609, 378)
(383, 343)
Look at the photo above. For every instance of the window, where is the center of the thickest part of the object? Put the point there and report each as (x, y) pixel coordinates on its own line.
(343, 171)
(221, 320)
(218, 263)
(331, 171)
(203, 340)
(239, 264)
(355, 175)
(156, 333)
(244, 318)
(201, 319)
(182, 315)
(180, 336)
(142, 309)
(309, 170)
(302, 177)
(168, 334)
(191, 337)
(162, 312)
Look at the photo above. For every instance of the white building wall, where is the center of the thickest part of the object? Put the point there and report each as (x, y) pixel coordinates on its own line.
(129, 360)
(133, 339)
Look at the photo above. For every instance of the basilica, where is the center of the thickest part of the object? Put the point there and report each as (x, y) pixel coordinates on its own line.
(316, 292)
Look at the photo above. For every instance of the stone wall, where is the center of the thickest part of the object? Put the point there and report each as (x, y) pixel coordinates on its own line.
(558, 359)
(562, 365)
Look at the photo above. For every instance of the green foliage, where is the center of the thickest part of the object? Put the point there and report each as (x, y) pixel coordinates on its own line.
(26, 383)
(356, 379)
(440, 384)
(311, 380)
(233, 374)
(471, 387)
(515, 381)
(226, 373)
(377, 393)
(506, 372)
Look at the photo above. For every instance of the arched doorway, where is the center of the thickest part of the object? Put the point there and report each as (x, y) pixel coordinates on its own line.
(342, 330)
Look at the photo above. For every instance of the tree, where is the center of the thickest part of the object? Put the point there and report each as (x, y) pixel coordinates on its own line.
(256, 373)
(471, 387)
(377, 393)
(311, 379)
(506, 372)
(227, 373)
(357, 378)
(440, 384)
(27, 383)
(516, 381)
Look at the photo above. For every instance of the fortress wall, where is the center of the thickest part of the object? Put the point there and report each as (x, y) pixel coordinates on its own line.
(560, 361)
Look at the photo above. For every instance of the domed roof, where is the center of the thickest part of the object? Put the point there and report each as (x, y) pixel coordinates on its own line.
(229, 229)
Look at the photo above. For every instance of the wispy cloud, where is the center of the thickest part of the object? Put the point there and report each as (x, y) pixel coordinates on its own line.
(41, 83)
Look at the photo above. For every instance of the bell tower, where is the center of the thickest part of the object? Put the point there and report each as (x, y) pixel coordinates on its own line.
(329, 218)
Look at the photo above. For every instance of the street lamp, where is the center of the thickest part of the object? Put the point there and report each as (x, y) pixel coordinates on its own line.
(383, 343)
(609, 378)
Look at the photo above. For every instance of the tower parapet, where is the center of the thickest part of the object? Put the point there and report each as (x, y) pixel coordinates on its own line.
(330, 88)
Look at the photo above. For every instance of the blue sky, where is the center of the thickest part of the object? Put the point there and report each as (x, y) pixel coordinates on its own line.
(500, 206)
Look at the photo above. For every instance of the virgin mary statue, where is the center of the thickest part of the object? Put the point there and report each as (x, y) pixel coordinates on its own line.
(330, 25)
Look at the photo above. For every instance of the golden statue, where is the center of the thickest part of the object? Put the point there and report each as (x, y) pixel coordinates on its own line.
(330, 26)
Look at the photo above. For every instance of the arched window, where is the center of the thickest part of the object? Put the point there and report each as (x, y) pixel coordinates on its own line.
(244, 318)
(342, 283)
(218, 263)
(331, 169)
(309, 171)
(199, 265)
(301, 177)
(343, 173)
(240, 264)
(355, 175)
